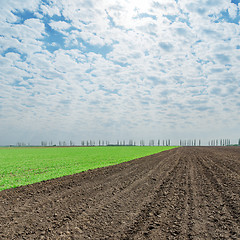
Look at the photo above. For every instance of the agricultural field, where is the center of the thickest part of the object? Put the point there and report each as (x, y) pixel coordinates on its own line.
(22, 166)
(183, 193)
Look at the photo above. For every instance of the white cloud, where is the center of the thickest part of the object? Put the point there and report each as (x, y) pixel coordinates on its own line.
(35, 24)
(15, 34)
(10, 6)
(13, 56)
(232, 10)
(51, 10)
(59, 25)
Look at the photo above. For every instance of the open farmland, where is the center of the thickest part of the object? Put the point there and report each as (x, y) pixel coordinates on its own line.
(184, 193)
(22, 166)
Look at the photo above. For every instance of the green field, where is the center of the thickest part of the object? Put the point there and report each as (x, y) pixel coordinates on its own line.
(23, 166)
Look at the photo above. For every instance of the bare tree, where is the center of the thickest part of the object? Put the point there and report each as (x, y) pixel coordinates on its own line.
(43, 143)
(151, 142)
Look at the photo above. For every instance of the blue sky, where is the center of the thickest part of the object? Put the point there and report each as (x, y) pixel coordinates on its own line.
(119, 70)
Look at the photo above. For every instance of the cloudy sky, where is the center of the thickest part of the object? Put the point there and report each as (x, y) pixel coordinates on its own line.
(124, 69)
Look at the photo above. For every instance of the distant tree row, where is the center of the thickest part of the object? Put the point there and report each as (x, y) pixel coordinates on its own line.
(131, 142)
(220, 142)
(22, 144)
(194, 142)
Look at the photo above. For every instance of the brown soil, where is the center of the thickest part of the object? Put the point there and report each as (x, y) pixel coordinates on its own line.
(184, 193)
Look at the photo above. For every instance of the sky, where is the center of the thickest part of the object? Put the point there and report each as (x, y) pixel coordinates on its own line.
(119, 70)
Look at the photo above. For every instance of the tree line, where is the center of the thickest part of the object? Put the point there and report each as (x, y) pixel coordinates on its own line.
(131, 142)
(194, 142)
(89, 143)
(221, 142)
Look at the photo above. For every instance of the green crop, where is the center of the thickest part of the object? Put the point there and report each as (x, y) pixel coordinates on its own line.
(23, 166)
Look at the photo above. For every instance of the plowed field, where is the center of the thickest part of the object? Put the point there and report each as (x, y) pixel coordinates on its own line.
(183, 193)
